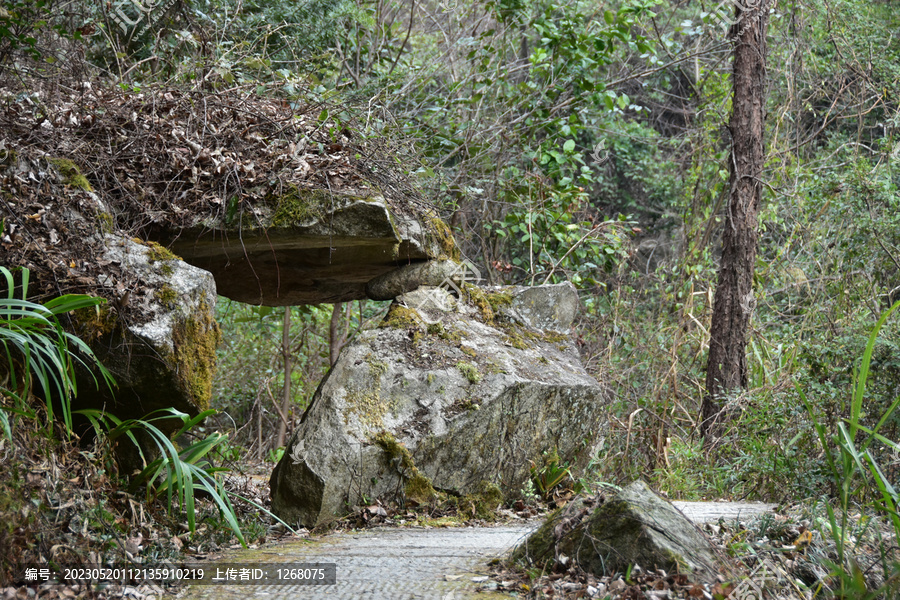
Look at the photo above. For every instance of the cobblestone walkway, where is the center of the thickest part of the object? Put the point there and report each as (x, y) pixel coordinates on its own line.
(382, 564)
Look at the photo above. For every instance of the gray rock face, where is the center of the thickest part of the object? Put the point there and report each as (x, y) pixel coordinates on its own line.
(309, 247)
(167, 361)
(608, 535)
(548, 307)
(442, 392)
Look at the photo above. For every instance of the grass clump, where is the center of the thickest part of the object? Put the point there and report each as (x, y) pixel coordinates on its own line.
(470, 371)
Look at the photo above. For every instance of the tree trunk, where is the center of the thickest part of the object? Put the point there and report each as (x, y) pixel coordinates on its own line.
(288, 367)
(734, 300)
(335, 336)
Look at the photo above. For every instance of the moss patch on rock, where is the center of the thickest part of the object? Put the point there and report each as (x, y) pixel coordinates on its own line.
(166, 296)
(195, 342)
(444, 238)
(71, 174)
(400, 317)
(470, 371)
(107, 223)
(159, 253)
(476, 296)
(418, 487)
(499, 300)
(296, 206)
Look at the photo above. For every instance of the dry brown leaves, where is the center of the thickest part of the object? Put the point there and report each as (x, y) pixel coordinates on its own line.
(174, 157)
(164, 159)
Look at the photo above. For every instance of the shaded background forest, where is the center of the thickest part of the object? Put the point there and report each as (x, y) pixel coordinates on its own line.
(579, 141)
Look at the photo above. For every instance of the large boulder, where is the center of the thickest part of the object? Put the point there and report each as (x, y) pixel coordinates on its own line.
(284, 201)
(167, 358)
(447, 394)
(156, 332)
(606, 535)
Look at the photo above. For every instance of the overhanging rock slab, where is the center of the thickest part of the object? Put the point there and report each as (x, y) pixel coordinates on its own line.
(325, 253)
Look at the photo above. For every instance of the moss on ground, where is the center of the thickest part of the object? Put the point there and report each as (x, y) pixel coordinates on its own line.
(483, 502)
(71, 174)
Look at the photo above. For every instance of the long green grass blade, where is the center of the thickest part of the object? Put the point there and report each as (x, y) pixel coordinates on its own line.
(863, 374)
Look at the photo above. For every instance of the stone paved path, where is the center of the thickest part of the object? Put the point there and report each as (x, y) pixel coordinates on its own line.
(410, 564)
(384, 564)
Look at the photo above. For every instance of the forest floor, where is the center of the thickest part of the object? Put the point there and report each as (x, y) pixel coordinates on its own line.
(397, 554)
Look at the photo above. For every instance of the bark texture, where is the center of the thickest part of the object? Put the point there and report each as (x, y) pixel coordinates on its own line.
(734, 300)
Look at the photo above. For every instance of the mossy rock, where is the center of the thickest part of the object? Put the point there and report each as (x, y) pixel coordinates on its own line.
(608, 535)
(400, 317)
(469, 370)
(195, 340)
(443, 236)
(460, 404)
(418, 487)
(476, 296)
(298, 206)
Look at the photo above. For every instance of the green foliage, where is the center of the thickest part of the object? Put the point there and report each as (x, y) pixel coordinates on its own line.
(857, 474)
(22, 22)
(178, 474)
(552, 475)
(36, 348)
(249, 356)
(274, 455)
